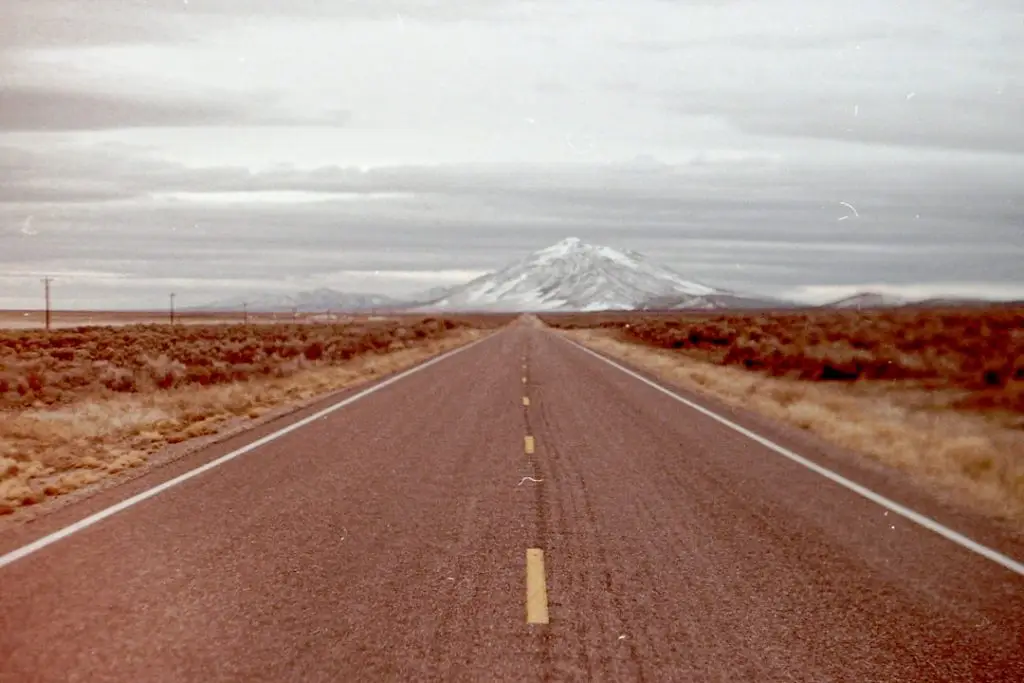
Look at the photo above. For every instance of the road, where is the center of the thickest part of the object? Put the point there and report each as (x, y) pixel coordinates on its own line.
(518, 511)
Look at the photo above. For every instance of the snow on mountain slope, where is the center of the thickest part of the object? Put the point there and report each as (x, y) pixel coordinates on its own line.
(574, 276)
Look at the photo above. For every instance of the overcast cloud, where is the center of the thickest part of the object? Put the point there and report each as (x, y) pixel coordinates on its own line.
(211, 147)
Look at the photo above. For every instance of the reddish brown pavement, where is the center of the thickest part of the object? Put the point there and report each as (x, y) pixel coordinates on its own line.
(387, 541)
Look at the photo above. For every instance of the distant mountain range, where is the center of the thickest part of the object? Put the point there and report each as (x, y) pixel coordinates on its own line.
(571, 275)
(867, 300)
(317, 300)
(716, 301)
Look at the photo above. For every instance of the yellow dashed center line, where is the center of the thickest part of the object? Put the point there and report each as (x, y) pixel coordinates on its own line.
(536, 584)
(536, 588)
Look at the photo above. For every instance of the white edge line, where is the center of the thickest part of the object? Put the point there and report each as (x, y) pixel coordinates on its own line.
(916, 517)
(97, 517)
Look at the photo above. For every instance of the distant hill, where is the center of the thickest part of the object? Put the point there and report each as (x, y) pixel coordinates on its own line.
(312, 301)
(950, 302)
(878, 300)
(734, 302)
(867, 300)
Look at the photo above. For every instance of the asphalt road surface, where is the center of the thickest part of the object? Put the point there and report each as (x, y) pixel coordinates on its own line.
(518, 511)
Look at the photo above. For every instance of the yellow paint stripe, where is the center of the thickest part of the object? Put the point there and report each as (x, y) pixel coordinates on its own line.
(524, 380)
(526, 400)
(528, 444)
(536, 588)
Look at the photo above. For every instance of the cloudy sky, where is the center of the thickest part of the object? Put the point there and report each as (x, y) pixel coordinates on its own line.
(802, 148)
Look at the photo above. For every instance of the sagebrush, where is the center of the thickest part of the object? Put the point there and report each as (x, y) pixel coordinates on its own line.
(977, 351)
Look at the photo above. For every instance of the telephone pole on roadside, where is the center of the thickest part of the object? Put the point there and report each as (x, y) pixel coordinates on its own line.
(46, 288)
(172, 307)
(245, 313)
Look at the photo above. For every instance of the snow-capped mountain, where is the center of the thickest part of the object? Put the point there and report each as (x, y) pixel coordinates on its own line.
(317, 300)
(573, 276)
(868, 300)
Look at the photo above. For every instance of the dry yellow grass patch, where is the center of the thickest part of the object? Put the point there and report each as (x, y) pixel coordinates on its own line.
(52, 451)
(973, 458)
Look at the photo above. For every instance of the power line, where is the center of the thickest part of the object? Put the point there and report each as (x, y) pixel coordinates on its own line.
(46, 288)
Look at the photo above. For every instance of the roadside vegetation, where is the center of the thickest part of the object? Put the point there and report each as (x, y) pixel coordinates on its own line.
(939, 393)
(77, 405)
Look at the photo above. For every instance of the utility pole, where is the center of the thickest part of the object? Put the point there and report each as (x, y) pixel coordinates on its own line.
(172, 308)
(245, 313)
(46, 285)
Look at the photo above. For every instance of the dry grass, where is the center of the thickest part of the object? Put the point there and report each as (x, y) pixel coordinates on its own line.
(64, 367)
(971, 457)
(52, 448)
(978, 352)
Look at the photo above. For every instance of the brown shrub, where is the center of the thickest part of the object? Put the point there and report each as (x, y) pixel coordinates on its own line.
(980, 350)
(314, 350)
(66, 365)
